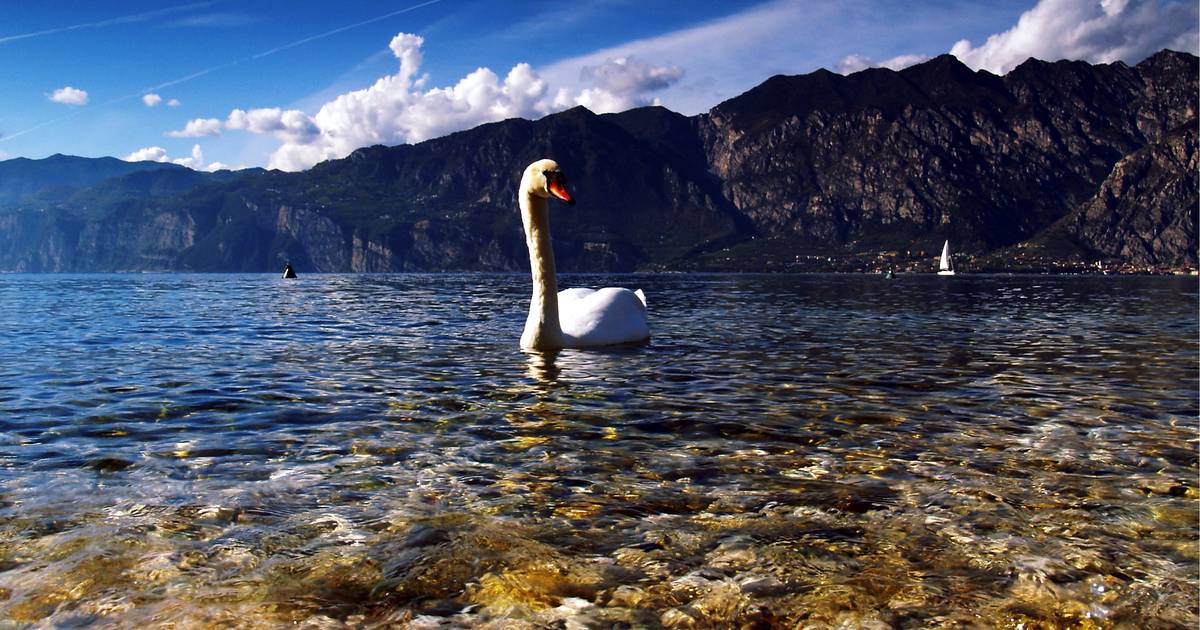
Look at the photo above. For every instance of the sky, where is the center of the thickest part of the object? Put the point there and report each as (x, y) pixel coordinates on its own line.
(288, 83)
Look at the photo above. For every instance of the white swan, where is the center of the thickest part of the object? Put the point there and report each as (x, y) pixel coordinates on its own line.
(574, 318)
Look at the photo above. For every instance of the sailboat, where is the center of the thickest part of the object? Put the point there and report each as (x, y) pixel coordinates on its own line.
(947, 266)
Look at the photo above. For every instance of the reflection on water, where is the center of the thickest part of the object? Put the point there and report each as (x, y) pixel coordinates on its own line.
(543, 366)
(796, 451)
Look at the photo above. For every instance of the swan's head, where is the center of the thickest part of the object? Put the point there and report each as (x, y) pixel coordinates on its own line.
(544, 179)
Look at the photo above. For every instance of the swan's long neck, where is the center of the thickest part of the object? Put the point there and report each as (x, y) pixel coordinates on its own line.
(542, 329)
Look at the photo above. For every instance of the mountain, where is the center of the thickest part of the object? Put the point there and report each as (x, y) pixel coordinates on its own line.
(59, 175)
(1135, 216)
(1054, 165)
(883, 160)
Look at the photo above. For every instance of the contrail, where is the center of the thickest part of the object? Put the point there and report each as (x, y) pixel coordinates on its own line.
(299, 42)
(125, 19)
(18, 134)
(342, 29)
(198, 73)
(195, 75)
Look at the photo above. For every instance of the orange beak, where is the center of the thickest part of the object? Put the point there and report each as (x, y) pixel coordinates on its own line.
(558, 188)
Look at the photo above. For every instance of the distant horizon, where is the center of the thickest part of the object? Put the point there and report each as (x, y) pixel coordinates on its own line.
(210, 85)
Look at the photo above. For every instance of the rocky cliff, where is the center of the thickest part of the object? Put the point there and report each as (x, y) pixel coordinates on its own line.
(1145, 213)
(901, 160)
(1076, 162)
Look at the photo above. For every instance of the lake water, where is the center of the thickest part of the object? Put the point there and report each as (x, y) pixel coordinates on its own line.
(789, 451)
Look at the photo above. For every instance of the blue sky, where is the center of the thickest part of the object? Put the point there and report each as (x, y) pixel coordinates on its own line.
(220, 83)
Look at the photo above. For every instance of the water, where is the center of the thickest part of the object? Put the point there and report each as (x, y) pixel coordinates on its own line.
(790, 451)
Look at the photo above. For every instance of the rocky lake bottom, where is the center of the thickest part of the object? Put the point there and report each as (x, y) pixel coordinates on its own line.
(791, 451)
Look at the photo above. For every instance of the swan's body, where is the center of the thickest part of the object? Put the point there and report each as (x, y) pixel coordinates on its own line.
(591, 317)
(573, 318)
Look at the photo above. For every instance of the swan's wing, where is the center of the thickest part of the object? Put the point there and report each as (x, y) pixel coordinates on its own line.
(572, 295)
(604, 317)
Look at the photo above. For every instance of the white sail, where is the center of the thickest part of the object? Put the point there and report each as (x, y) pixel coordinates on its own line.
(947, 266)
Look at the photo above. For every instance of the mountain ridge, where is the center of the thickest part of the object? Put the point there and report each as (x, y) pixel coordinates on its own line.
(806, 172)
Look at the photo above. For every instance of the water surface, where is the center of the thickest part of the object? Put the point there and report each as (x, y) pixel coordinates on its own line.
(789, 451)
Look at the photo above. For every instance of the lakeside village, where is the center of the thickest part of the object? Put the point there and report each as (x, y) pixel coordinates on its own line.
(1019, 259)
(899, 262)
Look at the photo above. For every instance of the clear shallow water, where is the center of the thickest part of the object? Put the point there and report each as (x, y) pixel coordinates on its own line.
(790, 451)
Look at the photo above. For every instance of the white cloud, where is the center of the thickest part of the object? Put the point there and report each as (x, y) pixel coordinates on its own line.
(195, 162)
(151, 154)
(901, 62)
(395, 109)
(69, 96)
(151, 99)
(853, 63)
(721, 58)
(158, 154)
(1098, 31)
(198, 127)
(173, 103)
(398, 108)
(290, 125)
(624, 83)
(596, 100)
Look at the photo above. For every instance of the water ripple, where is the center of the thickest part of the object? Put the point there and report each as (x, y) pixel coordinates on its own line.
(789, 450)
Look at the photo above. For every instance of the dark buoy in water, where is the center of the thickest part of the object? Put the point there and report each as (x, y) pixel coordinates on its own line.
(288, 272)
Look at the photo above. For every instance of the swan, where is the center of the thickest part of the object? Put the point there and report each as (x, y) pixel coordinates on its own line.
(572, 318)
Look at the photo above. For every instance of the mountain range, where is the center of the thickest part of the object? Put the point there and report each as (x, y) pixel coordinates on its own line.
(1053, 166)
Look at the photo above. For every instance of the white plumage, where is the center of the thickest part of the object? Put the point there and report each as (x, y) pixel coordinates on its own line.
(602, 317)
(572, 318)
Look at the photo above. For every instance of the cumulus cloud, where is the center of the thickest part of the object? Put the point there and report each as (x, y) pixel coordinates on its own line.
(398, 108)
(173, 103)
(623, 82)
(395, 110)
(69, 96)
(854, 63)
(151, 99)
(194, 161)
(147, 154)
(1098, 31)
(290, 125)
(198, 127)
